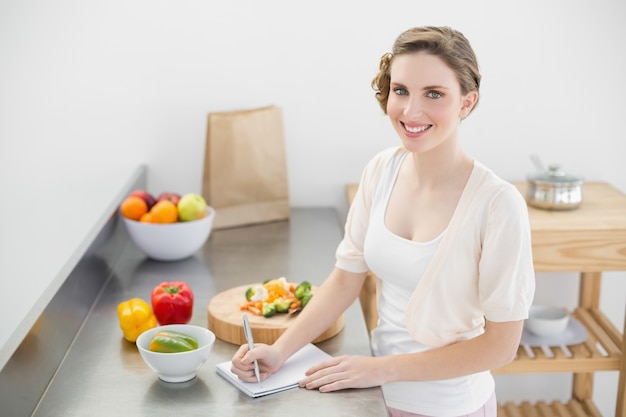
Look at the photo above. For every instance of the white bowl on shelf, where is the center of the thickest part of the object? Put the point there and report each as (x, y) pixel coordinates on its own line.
(547, 320)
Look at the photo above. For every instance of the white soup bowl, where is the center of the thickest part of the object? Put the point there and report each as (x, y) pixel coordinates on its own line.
(546, 320)
(179, 366)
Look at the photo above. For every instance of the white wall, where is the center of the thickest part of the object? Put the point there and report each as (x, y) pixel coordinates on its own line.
(131, 81)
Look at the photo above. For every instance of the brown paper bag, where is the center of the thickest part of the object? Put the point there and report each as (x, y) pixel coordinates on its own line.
(245, 167)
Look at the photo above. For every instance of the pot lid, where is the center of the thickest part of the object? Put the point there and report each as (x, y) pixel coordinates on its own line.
(555, 175)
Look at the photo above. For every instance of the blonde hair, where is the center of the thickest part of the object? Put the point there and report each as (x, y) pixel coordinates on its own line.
(446, 43)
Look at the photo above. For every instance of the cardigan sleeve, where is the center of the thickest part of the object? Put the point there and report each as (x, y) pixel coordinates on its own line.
(506, 272)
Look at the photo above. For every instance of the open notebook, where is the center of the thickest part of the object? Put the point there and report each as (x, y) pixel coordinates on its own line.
(286, 378)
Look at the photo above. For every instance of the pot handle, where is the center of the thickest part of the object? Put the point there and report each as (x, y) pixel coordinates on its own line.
(537, 163)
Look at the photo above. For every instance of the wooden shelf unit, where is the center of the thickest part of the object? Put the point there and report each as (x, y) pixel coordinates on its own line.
(589, 240)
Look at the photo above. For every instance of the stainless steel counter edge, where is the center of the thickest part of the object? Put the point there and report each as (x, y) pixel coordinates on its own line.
(101, 374)
(34, 358)
(39, 255)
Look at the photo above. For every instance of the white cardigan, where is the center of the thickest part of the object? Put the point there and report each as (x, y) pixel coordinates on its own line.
(483, 267)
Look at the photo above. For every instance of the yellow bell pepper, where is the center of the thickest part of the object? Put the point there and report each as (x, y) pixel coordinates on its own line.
(135, 317)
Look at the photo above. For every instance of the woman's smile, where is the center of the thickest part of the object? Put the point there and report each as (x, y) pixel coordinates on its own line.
(415, 129)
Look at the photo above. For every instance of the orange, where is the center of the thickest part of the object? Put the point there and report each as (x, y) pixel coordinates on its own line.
(146, 218)
(133, 208)
(164, 212)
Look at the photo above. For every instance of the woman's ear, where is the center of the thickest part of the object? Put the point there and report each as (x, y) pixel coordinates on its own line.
(468, 103)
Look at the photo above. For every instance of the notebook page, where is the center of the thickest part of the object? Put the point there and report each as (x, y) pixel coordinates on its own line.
(287, 377)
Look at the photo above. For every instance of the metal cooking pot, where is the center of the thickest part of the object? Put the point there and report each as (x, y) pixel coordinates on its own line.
(554, 189)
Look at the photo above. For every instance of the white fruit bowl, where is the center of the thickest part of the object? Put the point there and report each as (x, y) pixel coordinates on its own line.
(180, 366)
(172, 241)
(545, 320)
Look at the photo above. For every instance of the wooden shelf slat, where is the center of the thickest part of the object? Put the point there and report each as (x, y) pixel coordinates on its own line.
(572, 408)
(606, 324)
(600, 332)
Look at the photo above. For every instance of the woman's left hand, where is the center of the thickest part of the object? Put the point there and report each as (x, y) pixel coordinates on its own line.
(343, 372)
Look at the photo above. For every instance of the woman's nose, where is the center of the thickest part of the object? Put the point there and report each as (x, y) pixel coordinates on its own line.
(413, 107)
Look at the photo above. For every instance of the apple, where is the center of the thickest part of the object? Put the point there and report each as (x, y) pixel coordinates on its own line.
(145, 196)
(191, 207)
(173, 197)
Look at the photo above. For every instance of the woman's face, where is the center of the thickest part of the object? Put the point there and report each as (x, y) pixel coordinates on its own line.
(425, 102)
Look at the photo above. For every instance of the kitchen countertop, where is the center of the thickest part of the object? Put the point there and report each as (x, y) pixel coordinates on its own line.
(103, 375)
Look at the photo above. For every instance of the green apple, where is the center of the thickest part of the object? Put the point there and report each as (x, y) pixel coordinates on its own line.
(191, 207)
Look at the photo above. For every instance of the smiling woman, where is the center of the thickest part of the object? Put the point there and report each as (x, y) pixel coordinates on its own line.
(417, 207)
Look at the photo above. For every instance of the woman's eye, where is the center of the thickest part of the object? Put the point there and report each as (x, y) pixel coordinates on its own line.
(400, 91)
(434, 94)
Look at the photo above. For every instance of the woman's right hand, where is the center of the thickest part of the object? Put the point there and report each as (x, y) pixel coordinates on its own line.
(268, 357)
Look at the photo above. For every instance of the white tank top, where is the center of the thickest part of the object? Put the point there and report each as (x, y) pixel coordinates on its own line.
(400, 263)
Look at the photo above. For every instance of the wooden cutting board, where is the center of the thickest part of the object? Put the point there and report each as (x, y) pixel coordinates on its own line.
(225, 320)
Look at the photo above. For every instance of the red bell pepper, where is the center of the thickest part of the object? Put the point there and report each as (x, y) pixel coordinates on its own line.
(172, 302)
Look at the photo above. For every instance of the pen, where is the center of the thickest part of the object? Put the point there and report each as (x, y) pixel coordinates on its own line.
(248, 333)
